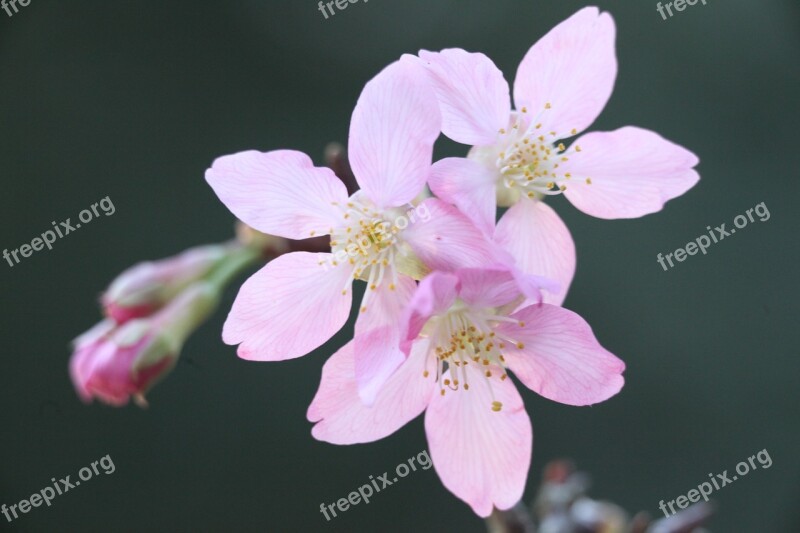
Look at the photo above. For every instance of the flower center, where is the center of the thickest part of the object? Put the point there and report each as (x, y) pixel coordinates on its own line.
(464, 340)
(528, 159)
(369, 242)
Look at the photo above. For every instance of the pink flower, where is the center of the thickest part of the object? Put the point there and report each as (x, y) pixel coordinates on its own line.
(299, 300)
(561, 87)
(462, 336)
(146, 287)
(114, 362)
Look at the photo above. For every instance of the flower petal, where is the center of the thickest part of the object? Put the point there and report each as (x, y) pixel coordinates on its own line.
(447, 239)
(384, 306)
(435, 294)
(468, 185)
(541, 244)
(281, 192)
(487, 287)
(573, 69)
(481, 455)
(473, 95)
(289, 307)
(342, 418)
(633, 173)
(377, 338)
(394, 125)
(377, 356)
(561, 358)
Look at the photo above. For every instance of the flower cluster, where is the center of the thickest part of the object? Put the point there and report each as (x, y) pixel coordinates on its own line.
(456, 303)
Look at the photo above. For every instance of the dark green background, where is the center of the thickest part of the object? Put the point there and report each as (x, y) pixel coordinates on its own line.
(135, 99)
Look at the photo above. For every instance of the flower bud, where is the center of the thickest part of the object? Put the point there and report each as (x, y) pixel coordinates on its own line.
(114, 362)
(146, 287)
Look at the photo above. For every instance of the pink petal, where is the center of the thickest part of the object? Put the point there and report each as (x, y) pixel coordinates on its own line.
(281, 192)
(469, 186)
(394, 126)
(473, 95)
(341, 416)
(482, 456)
(561, 358)
(449, 240)
(434, 295)
(633, 173)
(289, 307)
(487, 287)
(384, 306)
(376, 356)
(540, 242)
(573, 68)
(377, 339)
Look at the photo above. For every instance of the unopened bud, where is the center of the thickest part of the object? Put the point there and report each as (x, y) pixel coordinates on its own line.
(114, 362)
(147, 287)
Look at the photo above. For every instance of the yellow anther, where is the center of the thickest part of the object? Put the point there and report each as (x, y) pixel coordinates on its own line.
(520, 345)
(497, 406)
(425, 374)
(588, 181)
(547, 105)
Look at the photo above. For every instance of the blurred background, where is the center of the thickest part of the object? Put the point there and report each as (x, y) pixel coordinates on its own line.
(133, 100)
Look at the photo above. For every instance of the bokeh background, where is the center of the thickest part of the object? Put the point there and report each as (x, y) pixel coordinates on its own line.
(134, 99)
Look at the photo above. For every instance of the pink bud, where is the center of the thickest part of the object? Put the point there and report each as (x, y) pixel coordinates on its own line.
(146, 287)
(114, 362)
